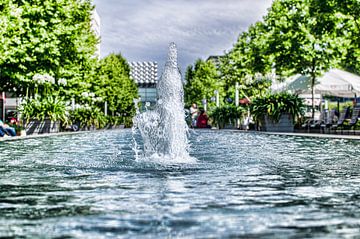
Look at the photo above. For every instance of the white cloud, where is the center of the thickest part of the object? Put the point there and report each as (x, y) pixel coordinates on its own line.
(142, 29)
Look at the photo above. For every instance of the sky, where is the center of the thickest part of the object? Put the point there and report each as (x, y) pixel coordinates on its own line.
(141, 30)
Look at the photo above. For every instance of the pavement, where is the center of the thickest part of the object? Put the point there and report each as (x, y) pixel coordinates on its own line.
(317, 135)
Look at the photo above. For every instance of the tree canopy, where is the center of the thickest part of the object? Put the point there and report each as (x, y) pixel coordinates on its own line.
(201, 82)
(295, 37)
(37, 37)
(48, 52)
(115, 86)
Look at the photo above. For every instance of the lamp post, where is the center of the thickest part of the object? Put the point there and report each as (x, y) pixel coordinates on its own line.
(204, 102)
(237, 124)
(3, 106)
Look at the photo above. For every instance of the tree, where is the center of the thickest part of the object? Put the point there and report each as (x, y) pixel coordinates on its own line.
(349, 11)
(45, 37)
(115, 86)
(246, 62)
(302, 37)
(202, 84)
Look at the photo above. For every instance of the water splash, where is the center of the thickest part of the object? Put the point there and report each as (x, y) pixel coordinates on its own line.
(164, 129)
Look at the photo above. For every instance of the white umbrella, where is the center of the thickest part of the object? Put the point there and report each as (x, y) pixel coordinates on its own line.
(335, 83)
(352, 79)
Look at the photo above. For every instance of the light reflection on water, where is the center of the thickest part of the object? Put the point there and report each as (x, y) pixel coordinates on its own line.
(243, 185)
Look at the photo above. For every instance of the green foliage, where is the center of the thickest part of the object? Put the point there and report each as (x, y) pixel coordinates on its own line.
(115, 120)
(273, 105)
(226, 114)
(87, 117)
(53, 108)
(302, 36)
(115, 86)
(46, 43)
(201, 82)
(52, 37)
(349, 27)
(246, 61)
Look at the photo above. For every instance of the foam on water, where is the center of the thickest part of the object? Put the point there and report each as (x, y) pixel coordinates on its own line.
(164, 129)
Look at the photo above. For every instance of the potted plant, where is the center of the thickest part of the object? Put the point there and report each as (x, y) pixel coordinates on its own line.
(43, 115)
(225, 116)
(277, 112)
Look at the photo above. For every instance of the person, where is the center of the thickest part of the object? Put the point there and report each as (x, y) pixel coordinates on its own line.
(202, 120)
(6, 129)
(194, 114)
(13, 121)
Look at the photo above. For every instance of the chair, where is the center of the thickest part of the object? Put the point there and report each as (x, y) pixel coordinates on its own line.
(314, 123)
(354, 118)
(328, 121)
(341, 120)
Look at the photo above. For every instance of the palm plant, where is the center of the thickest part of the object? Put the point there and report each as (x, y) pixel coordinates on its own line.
(274, 105)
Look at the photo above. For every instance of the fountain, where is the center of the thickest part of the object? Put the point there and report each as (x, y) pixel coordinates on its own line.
(164, 129)
(244, 185)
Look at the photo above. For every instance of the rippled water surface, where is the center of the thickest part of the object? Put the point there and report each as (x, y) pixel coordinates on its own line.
(243, 185)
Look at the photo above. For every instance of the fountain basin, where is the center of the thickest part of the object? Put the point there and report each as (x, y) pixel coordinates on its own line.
(242, 185)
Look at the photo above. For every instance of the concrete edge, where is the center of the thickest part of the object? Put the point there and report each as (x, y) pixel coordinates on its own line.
(35, 136)
(308, 135)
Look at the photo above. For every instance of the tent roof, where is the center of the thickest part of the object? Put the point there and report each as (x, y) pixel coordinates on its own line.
(335, 82)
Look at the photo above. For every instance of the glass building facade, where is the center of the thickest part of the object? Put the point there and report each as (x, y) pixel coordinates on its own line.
(145, 74)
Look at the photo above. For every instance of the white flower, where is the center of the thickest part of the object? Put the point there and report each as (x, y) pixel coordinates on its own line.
(77, 106)
(16, 12)
(258, 76)
(62, 81)
(85, 94)
(317, 47)
(248, 79)
(98, 99)
(49, 78)
(42, 79)
(91, 94)
(87, 107)
(37, 78)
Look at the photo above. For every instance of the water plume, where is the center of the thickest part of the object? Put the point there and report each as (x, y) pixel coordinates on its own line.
(164, 129)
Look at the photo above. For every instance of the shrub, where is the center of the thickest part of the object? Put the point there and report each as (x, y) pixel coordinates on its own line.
(50, 107)
(88, 116)
(226, 114)
(273, 105)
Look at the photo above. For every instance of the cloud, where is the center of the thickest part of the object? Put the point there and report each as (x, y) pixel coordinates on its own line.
(142, 29)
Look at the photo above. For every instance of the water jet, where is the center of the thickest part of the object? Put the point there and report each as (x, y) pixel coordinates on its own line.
(164, 129)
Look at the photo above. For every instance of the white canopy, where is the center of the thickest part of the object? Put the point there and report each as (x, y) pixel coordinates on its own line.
(335, 83)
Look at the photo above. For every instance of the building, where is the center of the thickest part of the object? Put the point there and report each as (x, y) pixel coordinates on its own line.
(145, 74)
(96, 27)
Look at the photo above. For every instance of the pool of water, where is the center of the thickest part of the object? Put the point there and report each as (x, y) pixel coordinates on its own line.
(243, 185)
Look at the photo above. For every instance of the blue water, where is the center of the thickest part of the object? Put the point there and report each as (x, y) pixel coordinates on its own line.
(244, 185)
